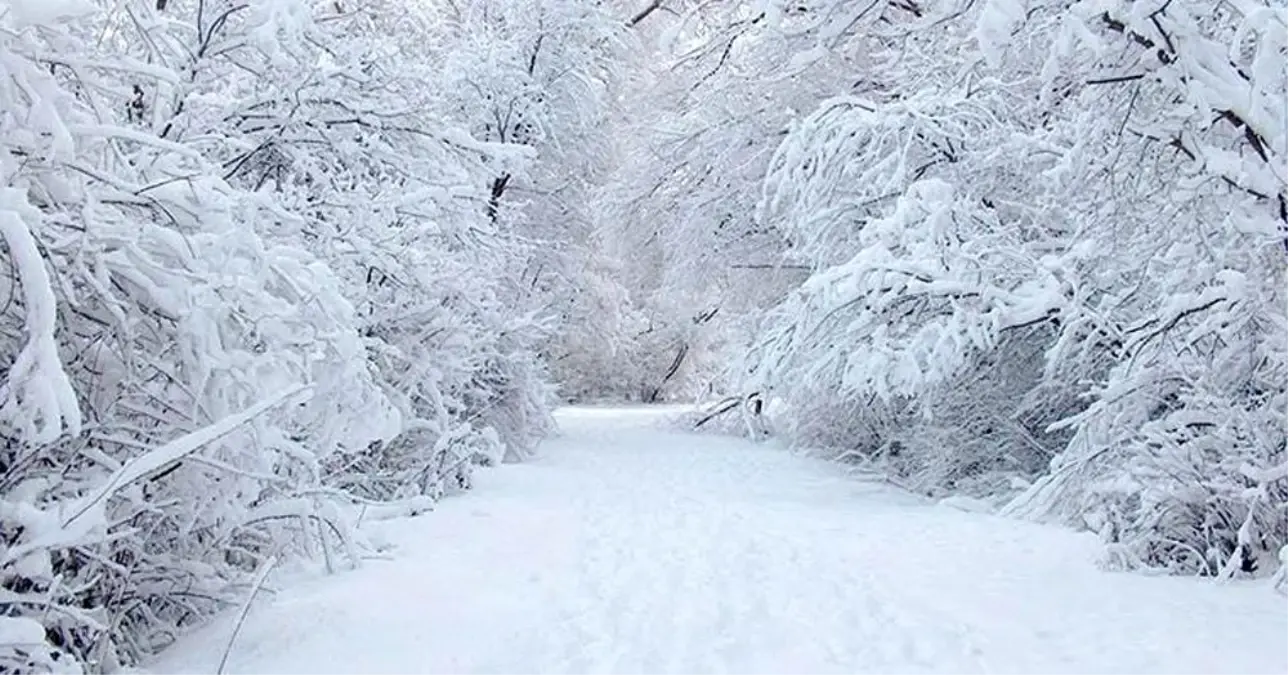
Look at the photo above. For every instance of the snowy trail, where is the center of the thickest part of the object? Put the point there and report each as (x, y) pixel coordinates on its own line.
(626, 548)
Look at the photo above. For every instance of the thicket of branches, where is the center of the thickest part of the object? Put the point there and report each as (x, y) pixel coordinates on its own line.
(1045, 245)
(258, 284)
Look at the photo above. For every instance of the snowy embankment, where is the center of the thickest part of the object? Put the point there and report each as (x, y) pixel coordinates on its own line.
(626, 548)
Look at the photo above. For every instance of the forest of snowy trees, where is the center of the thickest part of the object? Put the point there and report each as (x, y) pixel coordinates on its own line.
(273, 268)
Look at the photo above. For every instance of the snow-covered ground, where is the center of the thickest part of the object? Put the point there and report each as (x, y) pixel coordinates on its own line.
(628, 548)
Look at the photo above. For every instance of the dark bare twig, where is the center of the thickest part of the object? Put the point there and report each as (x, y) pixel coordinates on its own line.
(644, 13)
(1116, 79)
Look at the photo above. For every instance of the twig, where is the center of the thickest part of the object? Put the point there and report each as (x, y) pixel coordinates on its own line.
(1119, 78)
(643, 13)
(260, 577)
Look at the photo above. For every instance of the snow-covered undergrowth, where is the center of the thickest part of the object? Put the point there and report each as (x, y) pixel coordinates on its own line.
(1044, 243)
(254, 286)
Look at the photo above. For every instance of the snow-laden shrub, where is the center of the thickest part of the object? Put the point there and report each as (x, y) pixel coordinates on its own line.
(192, 452)
(1055, 234)
(398, 202)
(202, 203)
(1179, 459)
(933, 336)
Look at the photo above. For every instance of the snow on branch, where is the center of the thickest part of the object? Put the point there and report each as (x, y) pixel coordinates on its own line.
(36, 398)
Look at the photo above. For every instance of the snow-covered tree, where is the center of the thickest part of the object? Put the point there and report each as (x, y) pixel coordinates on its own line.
(544, 74)
(700, 122)
(253, 294)
(1049, 244)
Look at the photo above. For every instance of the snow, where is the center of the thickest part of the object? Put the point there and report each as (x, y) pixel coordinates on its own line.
(997, 22)
(21, 631)
(25, 13)
(627, 547)
(36, 397)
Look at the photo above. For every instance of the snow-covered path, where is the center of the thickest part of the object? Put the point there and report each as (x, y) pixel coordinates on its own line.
(626, 548)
